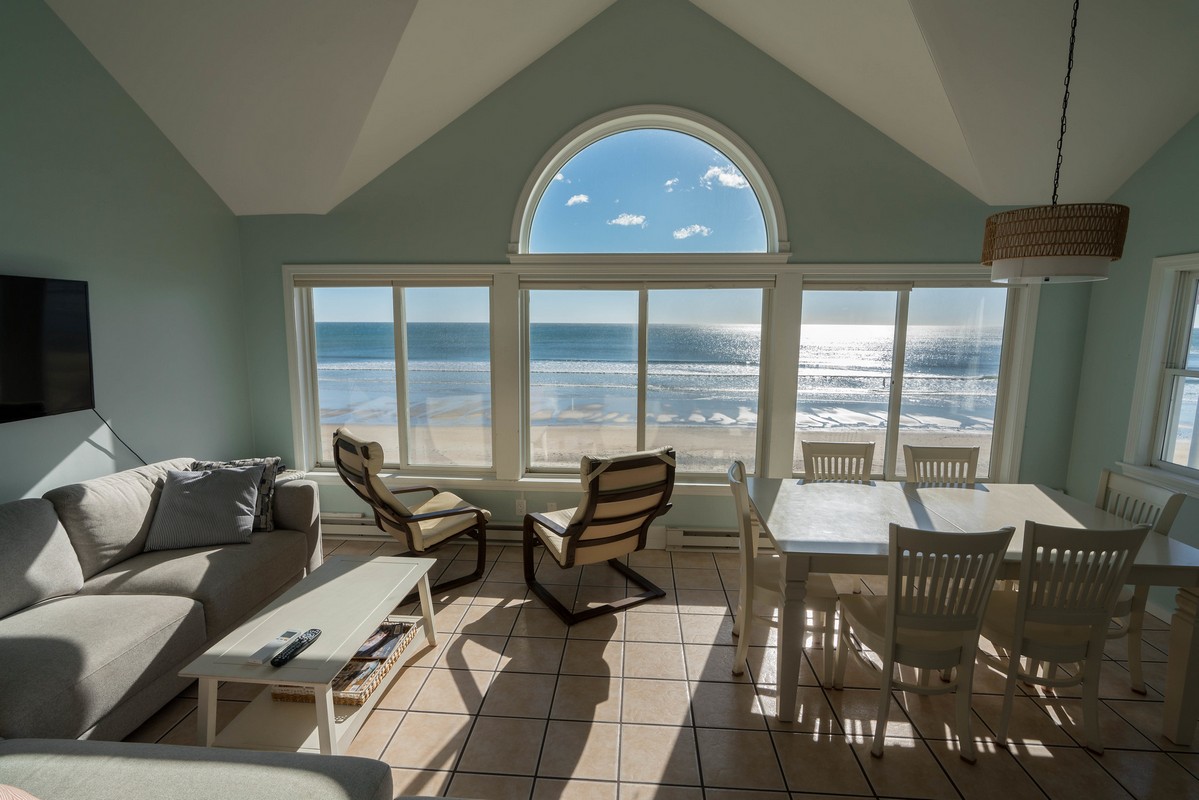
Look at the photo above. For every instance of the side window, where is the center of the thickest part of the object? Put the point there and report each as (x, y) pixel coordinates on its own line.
(1178, 402)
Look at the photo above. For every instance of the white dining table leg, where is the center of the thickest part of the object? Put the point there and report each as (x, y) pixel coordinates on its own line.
(1181, 709)
(793, 577)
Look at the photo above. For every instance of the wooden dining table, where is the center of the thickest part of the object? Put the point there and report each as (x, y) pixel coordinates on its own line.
(842, 528)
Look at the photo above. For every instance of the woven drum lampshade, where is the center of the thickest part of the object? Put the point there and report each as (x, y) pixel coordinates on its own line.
(1059, 243)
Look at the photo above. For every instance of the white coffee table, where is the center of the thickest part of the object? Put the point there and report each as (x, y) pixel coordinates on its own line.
(347, 598)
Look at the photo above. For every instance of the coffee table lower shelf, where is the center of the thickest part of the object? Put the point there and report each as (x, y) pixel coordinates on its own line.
(345, 598)
(268, 724)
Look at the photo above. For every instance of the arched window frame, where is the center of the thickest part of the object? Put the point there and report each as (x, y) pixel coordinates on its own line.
(632, 118)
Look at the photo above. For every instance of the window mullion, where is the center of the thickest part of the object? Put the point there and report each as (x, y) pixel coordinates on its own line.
(400, 331)
(779, 376)
(642, 363)
(509, 378)
(311, 405)
(899, 352)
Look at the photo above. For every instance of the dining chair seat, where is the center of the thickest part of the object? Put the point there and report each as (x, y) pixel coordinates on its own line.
(1001, 623)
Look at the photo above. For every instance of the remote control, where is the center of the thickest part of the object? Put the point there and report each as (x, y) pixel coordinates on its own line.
(296, 647)
(263, 654)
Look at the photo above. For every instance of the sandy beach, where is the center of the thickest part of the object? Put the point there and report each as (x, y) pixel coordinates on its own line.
(701, 448)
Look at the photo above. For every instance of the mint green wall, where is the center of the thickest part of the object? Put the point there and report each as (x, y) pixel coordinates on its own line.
(91, 190)
(849, 193)
(1164, 200)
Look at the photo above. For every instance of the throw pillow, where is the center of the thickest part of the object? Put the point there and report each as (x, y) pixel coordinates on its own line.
(201, 509)
(264, 511)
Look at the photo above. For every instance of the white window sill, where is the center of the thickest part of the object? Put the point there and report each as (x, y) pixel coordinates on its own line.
(1161, 477)
(691, 487)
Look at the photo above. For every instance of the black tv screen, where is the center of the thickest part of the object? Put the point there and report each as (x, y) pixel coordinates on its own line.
(45, 348)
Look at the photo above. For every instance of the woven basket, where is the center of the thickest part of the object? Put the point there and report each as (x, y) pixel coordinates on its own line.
(1077, 229)
(363, 687)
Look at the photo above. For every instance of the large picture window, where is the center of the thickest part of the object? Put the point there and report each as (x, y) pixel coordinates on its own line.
(421, 388)
(907, 365)
(612, 372)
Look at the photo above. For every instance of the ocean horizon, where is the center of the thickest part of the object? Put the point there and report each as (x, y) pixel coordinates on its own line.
(697, 374)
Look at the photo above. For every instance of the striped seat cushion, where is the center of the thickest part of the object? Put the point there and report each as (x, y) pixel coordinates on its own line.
(209, 507)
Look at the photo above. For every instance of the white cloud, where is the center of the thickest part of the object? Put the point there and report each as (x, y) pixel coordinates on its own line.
(578, 198)
(627, 219)
(670, 184)
(728, 177)
(559, 177)
(692, 230)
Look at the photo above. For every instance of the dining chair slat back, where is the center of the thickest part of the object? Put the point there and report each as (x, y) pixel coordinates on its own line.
(837, 461)
(944, 466)
(1070, 582)
(1141, 503)
(939, 585)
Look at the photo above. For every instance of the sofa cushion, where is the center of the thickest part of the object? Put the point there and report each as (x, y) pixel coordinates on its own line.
(38, 561)
(230, 582)
(200, 509)
(70, 660)
(108, 518)
(69, 770)
(264, 514)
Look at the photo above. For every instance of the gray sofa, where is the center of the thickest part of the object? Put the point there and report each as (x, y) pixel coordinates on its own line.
(65, 769)
(93, 631)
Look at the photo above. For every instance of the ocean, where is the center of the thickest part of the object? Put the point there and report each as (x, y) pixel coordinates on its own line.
(697, 375)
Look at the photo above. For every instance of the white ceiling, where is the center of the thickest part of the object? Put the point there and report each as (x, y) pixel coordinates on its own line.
(287, 107)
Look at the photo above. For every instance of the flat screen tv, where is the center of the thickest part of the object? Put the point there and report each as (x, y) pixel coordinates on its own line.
(45, 348)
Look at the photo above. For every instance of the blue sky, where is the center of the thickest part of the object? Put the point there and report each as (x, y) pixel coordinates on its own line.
(648, 191)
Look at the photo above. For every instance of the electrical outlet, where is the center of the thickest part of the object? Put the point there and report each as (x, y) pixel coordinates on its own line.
(551, 506)
(522, 507)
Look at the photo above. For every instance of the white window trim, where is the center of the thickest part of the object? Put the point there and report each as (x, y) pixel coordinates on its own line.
(780, 354)
(672, 118)
(1143, 429)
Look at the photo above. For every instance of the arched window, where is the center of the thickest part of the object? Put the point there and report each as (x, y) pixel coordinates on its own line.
(648, 191)
(649, 180)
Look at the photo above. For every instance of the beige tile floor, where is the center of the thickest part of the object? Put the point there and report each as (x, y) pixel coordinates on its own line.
(512, 704)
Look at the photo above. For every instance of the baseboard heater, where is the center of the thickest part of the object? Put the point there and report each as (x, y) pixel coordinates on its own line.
(709, 539)
(701, 539)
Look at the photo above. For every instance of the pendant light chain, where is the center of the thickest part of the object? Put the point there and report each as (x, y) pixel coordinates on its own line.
(1055, 243)
(1057, 172)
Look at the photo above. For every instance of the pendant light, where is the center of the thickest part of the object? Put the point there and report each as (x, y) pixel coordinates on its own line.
(1055, 243)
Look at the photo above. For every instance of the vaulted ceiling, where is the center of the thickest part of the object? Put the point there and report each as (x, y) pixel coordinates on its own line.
(287, 107)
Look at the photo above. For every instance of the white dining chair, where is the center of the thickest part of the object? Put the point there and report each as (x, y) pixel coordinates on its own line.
(1070, 580)
(760, 577)
(850, 462)
(1140, 503)
(839, 462)
(940, 466)
(938, 588)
